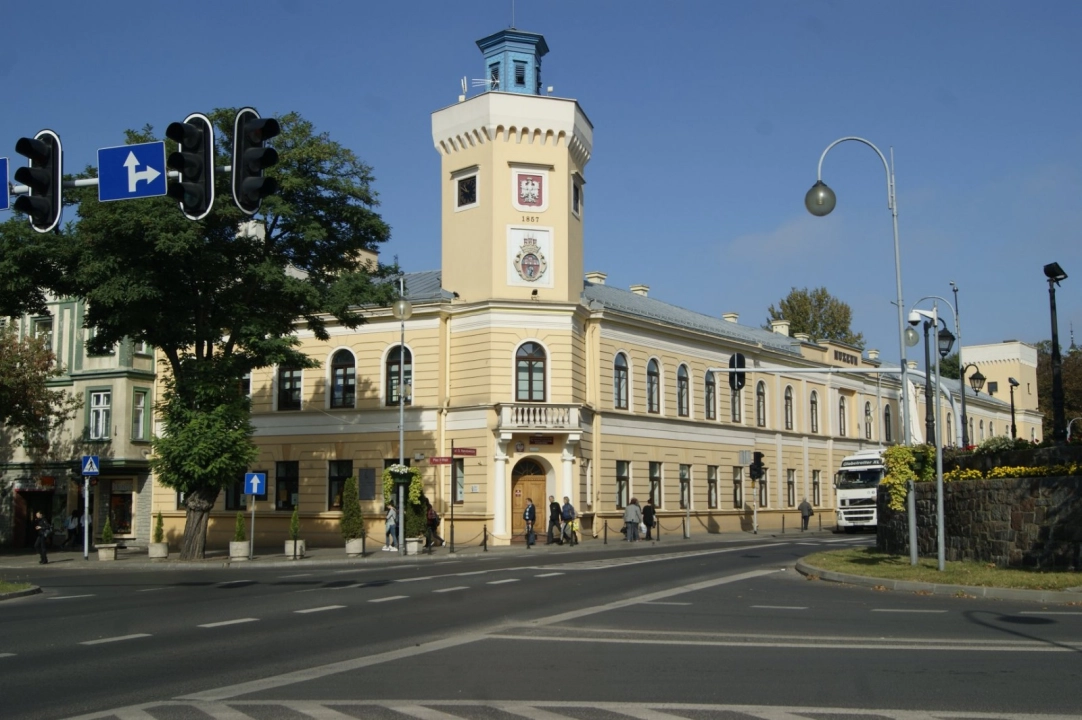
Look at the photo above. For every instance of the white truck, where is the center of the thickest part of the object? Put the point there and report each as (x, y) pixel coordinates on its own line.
(855, 487)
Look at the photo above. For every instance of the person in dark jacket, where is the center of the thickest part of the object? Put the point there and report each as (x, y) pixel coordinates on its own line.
(648, 518)
(530, 516)
(568, 515)
(44, 529)
(554, 522)
(432, 525)
(805, 514)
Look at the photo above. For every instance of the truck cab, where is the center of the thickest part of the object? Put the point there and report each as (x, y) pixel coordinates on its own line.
(855, 489)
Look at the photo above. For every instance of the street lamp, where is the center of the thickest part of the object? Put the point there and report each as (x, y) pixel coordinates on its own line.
(976, 381)
(1014, 430)
(820, 200)
(401, 309)
(1055, 274)
(911, 339)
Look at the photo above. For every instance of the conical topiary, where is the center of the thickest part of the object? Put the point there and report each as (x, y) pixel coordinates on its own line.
(352, 517)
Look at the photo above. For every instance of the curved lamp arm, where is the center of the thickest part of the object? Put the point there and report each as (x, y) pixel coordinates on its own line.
(886, 166)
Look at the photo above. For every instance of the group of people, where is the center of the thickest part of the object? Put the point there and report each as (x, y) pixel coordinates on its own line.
(43, 533)
(432, 525)
(563, 522)
(638, 519)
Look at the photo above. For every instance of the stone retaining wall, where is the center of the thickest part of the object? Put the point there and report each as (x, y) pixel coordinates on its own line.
(1009, 522)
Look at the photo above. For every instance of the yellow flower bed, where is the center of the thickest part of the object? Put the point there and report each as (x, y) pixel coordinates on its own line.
(899, 462)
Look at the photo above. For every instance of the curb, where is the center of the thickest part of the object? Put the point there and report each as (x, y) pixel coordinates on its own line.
(1058, 597)
(32, 590)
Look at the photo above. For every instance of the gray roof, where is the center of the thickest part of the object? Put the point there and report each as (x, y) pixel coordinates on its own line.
(647, 307)
(425, 285)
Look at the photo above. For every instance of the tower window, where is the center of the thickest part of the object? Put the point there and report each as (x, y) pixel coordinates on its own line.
(494, 76)
(520, 74)
(467, 191)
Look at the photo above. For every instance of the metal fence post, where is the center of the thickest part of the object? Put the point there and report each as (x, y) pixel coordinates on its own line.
(484, 537)
(605, 532)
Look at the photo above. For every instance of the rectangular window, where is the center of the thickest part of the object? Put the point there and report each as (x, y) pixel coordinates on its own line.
(338, 471)
(790, 487)
(43, 330)
(817, 492)
(520, 74)
(366, 484)
(287, 479)
(100, 414)
(141, 348)
(712, 487)
(244, 385)
(655, 485)
(685, 487)
(138, 415)
(623, 479)
(735, 402)
(458, 468)
(576, 198)
(181, 499)
(120, 506)
(289, 389)
(467, 192)
(710, 398)
(235, 499)
(764, 493)
(494, 76)
(738, 487)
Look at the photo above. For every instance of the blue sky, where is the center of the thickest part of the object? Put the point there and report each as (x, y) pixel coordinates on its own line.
(709, 116)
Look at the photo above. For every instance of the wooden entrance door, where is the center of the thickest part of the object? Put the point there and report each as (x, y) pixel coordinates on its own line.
(527, 486)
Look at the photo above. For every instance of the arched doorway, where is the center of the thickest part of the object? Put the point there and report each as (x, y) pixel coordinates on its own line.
(527, 481)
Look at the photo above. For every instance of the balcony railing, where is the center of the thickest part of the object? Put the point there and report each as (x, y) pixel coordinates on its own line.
(538, 416)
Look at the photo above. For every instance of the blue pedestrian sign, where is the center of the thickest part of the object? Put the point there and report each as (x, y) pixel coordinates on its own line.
(91, 465)
(4, 199)
(255, 483)
(131, 171)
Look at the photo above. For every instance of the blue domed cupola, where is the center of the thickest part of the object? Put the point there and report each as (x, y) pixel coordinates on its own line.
(513, 61)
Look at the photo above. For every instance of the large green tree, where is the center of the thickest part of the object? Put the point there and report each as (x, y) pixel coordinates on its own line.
(29, 408)
(222, 296)
(1071, 376)
(817, 313)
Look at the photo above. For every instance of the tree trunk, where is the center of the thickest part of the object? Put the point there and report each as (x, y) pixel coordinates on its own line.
(194, 544)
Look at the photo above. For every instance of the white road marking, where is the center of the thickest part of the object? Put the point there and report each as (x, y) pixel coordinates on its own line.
(286, 577)
(905, 610)
(416, 579)
(451, 589)
(1049, 612)
(387, 599)
(69, 597)
(662, 602)
(154, 589)
(346, 587)
(501, 582)
(4, 655)
(319, 609)
(474, 572)
(229, 622)
(548, 574)
(779, 607)
(115, 639)
(236, 582)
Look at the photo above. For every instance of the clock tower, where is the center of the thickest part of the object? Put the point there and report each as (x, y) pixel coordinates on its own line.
(512, 181)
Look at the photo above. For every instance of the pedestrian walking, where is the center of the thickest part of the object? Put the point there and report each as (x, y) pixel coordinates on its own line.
(73, 530)
(632, 518)
(805, 514)
(44, 529)
(432, 524)
(530, 516)
(570, 520)
(554, 522)
(391, 527)
(648, 512)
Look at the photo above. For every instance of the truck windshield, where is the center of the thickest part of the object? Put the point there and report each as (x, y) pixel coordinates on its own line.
(856, 479)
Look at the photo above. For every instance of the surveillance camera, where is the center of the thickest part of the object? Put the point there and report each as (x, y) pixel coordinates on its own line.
(1013, 382)
(914, 318)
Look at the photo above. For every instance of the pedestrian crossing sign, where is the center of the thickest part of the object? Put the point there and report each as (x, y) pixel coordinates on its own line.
(90, 465)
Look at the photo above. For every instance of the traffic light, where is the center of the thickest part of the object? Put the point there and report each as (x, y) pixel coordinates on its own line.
(757, 468)
(195, 163)
(251, 157)
(44, 177)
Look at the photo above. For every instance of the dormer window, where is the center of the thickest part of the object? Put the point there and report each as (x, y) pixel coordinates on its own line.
(520, 74)
(494, 76)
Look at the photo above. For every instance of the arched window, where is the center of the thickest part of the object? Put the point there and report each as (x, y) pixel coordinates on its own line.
(736, 401)
(619, 382)
(867, 421)
(982, 430)
(710, 397)
(343, 379)
(888, 429)
(653, 387)
(683, 404)
(813, 407)
(530, 373)
(841, 416)
(991, 429)
(948, 430)
(396, 359)
(760, 404)
(788, 408)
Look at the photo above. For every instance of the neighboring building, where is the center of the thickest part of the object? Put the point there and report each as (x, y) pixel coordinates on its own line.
(114, 423)
(562, 385)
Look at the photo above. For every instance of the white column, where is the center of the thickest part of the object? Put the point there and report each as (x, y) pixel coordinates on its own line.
(568, 458)
(499, 492)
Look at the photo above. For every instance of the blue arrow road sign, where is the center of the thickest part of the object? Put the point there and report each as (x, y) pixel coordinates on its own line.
(131, 171)
(91, 465)
(4, 178)
(255, 483)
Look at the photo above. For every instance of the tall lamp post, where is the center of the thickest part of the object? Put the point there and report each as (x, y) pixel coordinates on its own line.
(1014, 429)
(976, 381)
(1055, 274)
(944, 342)
(401, 309)
(820, 201)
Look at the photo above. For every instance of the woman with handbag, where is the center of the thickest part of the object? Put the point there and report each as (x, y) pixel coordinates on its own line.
(632, 518)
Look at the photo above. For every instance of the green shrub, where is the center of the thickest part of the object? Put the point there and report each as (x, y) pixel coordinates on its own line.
(352, 517)
(999, 443)
(107, 532)
(159, 529)
(899, 461)
(239, 531)
(295, 526)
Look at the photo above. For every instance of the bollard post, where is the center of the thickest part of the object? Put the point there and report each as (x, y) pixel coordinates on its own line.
(364, 538)
(657, 521)
(820, 523)
(783, 524)
(484, 537)
(605, 532)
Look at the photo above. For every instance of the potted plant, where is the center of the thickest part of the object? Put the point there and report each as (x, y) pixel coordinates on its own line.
(107, 548)
(238, 546)
(294, 545)
(352, 519)
(159, 549)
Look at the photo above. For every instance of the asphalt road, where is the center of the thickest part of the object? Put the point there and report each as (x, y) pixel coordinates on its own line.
(725, 630)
